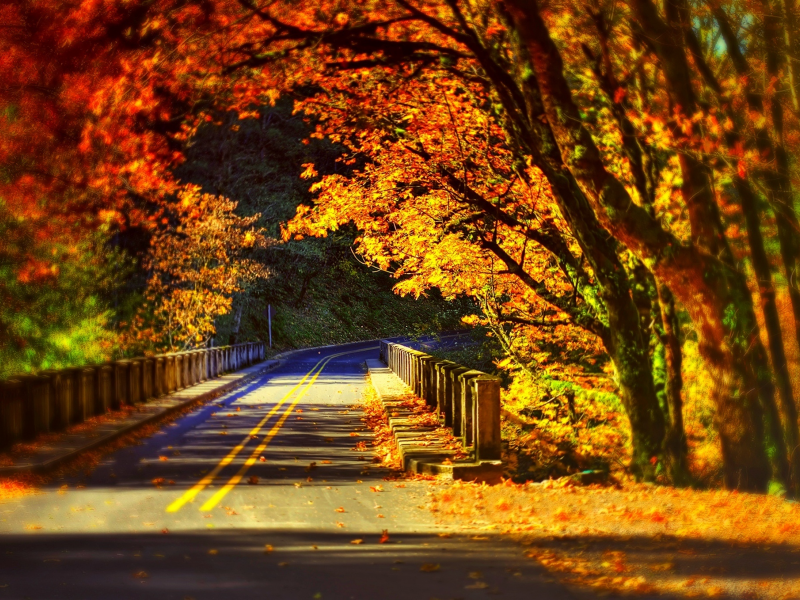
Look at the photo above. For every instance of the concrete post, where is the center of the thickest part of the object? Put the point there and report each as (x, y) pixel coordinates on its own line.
(10, 413)
(204, 355)
(468, 407)
(444, 390)
(488, 444)
(104, 389)
(185, 370)
(36, 405)
(75, 410)
(159, 376)
(148, 378)
(427, 379)
(455, 400)
(416, 379)
(191, 361)
(58, 394)
(170, 373)
(135, 381)
(85, 393)
(213, 366)
(122, 382)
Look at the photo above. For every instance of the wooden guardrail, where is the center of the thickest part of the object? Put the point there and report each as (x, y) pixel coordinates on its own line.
(466, 400)
(53, 400)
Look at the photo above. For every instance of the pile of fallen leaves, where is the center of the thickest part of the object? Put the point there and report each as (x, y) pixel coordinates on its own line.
(376, 419)
(641, 538)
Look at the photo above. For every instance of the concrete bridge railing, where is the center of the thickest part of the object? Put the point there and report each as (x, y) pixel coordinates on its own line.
(466, 400)
(53, 400)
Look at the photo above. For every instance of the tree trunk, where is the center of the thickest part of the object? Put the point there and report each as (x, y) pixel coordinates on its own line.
(677, 449)
(702, 284)
(237, 321)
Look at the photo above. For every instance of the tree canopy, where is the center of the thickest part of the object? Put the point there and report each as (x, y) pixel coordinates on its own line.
(612, 177)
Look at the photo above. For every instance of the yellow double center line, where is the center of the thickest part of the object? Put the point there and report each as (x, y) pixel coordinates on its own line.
(192, 493)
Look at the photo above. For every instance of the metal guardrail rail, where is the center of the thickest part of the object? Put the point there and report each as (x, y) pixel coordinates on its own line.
(53, 400)
(466, 400)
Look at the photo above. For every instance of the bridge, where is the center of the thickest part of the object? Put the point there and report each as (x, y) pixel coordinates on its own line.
(261, 493)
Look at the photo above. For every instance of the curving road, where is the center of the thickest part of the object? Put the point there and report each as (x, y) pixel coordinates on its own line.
(225, 503)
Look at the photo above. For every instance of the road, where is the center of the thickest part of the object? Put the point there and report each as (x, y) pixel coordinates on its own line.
(225, 503)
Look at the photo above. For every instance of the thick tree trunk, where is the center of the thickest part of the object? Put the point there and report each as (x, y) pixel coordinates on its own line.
(779, 195)
(676, 447)
(702, 284)
(624, 342)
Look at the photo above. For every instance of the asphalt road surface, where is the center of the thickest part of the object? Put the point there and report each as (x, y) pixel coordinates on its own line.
(225, 503)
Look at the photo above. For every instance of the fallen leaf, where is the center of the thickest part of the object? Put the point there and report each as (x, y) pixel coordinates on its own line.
(268, 548)
(339, 524)
(326, 462)
(430, 567)
(165, 530)
(376, 488)
(384, 535)
(358, 541)
(253, 480)
(353, 434)
(478, 585)
(163, 458)
(33, 527)
(141, 575)
(381, 517)
(311, 466)
(213, 552)
(158, 481)
(340, 509)
(262, 459)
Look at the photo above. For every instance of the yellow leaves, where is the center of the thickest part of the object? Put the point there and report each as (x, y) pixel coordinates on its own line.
(309, 172)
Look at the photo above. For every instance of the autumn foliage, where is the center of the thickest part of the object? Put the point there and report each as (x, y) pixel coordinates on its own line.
(613, 184)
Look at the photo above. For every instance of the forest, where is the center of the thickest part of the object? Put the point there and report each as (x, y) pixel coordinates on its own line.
(605, 190)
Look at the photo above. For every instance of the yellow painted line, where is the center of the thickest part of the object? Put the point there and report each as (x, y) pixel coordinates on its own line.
(215, 499)
(191, 494)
